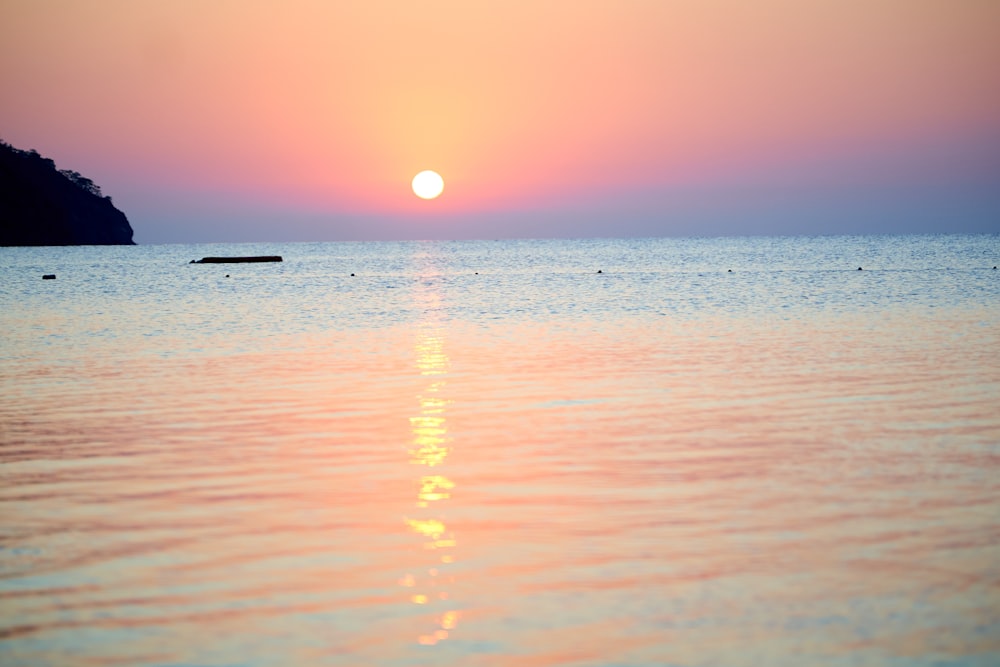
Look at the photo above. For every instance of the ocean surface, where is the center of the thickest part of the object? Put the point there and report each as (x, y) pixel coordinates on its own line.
(591, 453)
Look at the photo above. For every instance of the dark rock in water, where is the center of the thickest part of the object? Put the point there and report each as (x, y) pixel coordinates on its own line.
(42, 205)
(49, 276)
(236, 260)
(859, 268)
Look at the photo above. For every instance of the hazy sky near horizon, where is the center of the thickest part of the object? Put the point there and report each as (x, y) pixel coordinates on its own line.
(258, 120)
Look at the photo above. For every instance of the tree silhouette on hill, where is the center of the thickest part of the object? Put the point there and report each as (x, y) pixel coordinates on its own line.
(43, 205)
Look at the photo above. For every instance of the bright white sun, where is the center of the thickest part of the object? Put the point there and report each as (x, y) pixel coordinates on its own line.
(428, 184)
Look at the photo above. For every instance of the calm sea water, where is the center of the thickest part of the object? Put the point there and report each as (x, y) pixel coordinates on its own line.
(713, 452)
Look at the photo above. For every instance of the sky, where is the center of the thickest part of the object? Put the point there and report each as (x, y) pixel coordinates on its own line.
(305, 120)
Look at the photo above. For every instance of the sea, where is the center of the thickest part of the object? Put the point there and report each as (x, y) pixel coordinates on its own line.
(577, 453)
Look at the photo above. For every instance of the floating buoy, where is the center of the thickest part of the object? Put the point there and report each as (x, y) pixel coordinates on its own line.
(859, 268)
(599, 271)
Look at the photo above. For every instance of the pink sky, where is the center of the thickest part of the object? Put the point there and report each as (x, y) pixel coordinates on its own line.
(306, 120)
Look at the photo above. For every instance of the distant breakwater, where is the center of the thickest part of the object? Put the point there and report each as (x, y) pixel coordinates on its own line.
(236, 260)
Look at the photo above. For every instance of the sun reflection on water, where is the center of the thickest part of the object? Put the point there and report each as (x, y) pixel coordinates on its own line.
(429, 450)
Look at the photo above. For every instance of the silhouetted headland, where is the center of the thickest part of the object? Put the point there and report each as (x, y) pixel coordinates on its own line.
(237, 260)
(42, 205)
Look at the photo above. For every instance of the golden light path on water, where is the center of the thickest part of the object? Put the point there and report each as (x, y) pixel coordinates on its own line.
(487, 454)
(428, 452)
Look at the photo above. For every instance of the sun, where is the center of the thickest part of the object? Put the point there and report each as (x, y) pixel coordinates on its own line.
(428, 184)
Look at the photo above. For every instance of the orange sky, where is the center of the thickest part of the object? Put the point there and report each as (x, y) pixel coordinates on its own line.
(327, 109)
